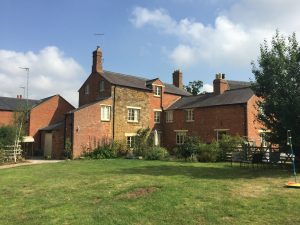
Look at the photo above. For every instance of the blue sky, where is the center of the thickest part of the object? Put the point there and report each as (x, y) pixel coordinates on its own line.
(148, 38)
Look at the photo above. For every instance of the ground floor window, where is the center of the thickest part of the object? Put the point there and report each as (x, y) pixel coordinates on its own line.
(220, 133)
(157, 138)
(180, 137)
(130, 140)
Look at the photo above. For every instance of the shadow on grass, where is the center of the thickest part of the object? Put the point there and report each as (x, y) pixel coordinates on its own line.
(206, 172)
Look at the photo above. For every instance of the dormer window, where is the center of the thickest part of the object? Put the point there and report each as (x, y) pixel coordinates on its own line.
(87, 89)
(101, 86)
(157, 91)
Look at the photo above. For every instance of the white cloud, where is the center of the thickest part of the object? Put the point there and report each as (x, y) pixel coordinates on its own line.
(50, 73)
(233, 38)
(208, 88)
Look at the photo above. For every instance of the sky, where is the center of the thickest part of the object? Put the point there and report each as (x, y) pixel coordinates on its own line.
(55, 39)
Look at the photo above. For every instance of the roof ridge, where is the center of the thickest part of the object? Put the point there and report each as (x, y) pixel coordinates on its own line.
(127, 75)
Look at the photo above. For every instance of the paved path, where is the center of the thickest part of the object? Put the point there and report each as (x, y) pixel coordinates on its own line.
(30, 162)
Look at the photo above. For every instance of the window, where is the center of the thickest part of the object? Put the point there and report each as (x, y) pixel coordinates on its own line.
(180, 137)
(130, 141)
(189, 115)
(157, 116)
(169, 116)
(105, 113)
(157, 90)
(87, 89)
(133, 114)
(101, 86)
(220, 133)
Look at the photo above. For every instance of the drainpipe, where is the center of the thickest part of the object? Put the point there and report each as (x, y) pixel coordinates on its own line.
(114, 113)
(245, 121)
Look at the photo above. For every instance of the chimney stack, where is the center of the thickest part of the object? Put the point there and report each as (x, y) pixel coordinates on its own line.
(220, 84)
(97, 60)
(177, 79)
(20, 96)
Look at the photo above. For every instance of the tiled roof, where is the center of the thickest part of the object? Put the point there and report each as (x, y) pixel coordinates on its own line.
(53, 126)
(230, 97)
(15, 104)
(233, 84)
(139, 82)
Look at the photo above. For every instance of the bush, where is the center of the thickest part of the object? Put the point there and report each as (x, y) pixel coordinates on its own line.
(106, 151)
(228, 144)
(156, 153)
(189, 148)
(7, 135)
(207, 152)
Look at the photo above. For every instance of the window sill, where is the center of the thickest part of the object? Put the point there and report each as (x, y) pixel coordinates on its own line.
(105, 120)
(130, 121)
(156, 122)
(169, 121)
(189, 121)
(157, 96)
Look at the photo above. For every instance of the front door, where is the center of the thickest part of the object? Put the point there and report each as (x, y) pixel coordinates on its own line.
(48, 145)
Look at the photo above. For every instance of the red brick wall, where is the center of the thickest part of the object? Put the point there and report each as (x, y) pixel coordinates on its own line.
(94, 94)
(6, 118)
(49, 112)
(89, 130)
(254, 126)
(206, 120)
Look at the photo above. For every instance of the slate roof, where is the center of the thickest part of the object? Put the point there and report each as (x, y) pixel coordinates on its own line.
(15, 104)
(52, 126)
(138, 82)
(229, 97)
(233, 84)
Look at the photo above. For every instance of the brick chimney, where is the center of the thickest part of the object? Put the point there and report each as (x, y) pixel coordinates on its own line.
(177, 79)
(97, 60)
(220, 84)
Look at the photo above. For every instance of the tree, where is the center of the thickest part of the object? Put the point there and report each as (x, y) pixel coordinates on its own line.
(277, 83)
(194, 87)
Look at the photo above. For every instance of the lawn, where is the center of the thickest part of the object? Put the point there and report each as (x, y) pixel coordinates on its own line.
(146, 192)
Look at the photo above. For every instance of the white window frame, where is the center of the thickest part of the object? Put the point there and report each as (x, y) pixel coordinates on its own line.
(133, 114)
(159, 135)
(103, 114)
(180, 136)
(87, 89)
(157, 116)
(101, 86)
(130, 139)
(169, 116)
(157, 90)
(189, 115)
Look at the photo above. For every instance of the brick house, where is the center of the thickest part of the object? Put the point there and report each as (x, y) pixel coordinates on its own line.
(229, 109)
(114, 106)
(45, 121)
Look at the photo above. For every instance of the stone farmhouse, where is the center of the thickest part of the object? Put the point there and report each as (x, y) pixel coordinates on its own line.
(114, 106)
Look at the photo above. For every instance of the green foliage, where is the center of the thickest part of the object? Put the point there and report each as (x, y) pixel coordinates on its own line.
(106, 151)
(143, 141)
(156, 153)
(7, 135)
(277, 82)
(68, 149)
(194, 87)
(189, 147)
(207, 152)
(227, 144)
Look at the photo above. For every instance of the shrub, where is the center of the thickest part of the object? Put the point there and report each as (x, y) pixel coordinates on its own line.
(156, 153)
(106, 151)
(207, 152)
(7, 135)
(143, 141)
(189, 148)
(228, 144)
(68, 149)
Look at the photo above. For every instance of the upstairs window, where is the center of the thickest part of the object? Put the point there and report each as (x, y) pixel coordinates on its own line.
(105, 113)
(169, 116)
(87, 89)
(133, 114)
(157, 116)
(189, 115)
(157, 91)
(101, 86)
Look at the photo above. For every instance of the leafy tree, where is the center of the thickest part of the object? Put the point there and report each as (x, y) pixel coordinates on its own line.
(7, 135)
(277, 82)
(194, 87)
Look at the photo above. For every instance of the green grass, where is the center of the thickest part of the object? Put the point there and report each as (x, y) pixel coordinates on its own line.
(146, 192)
